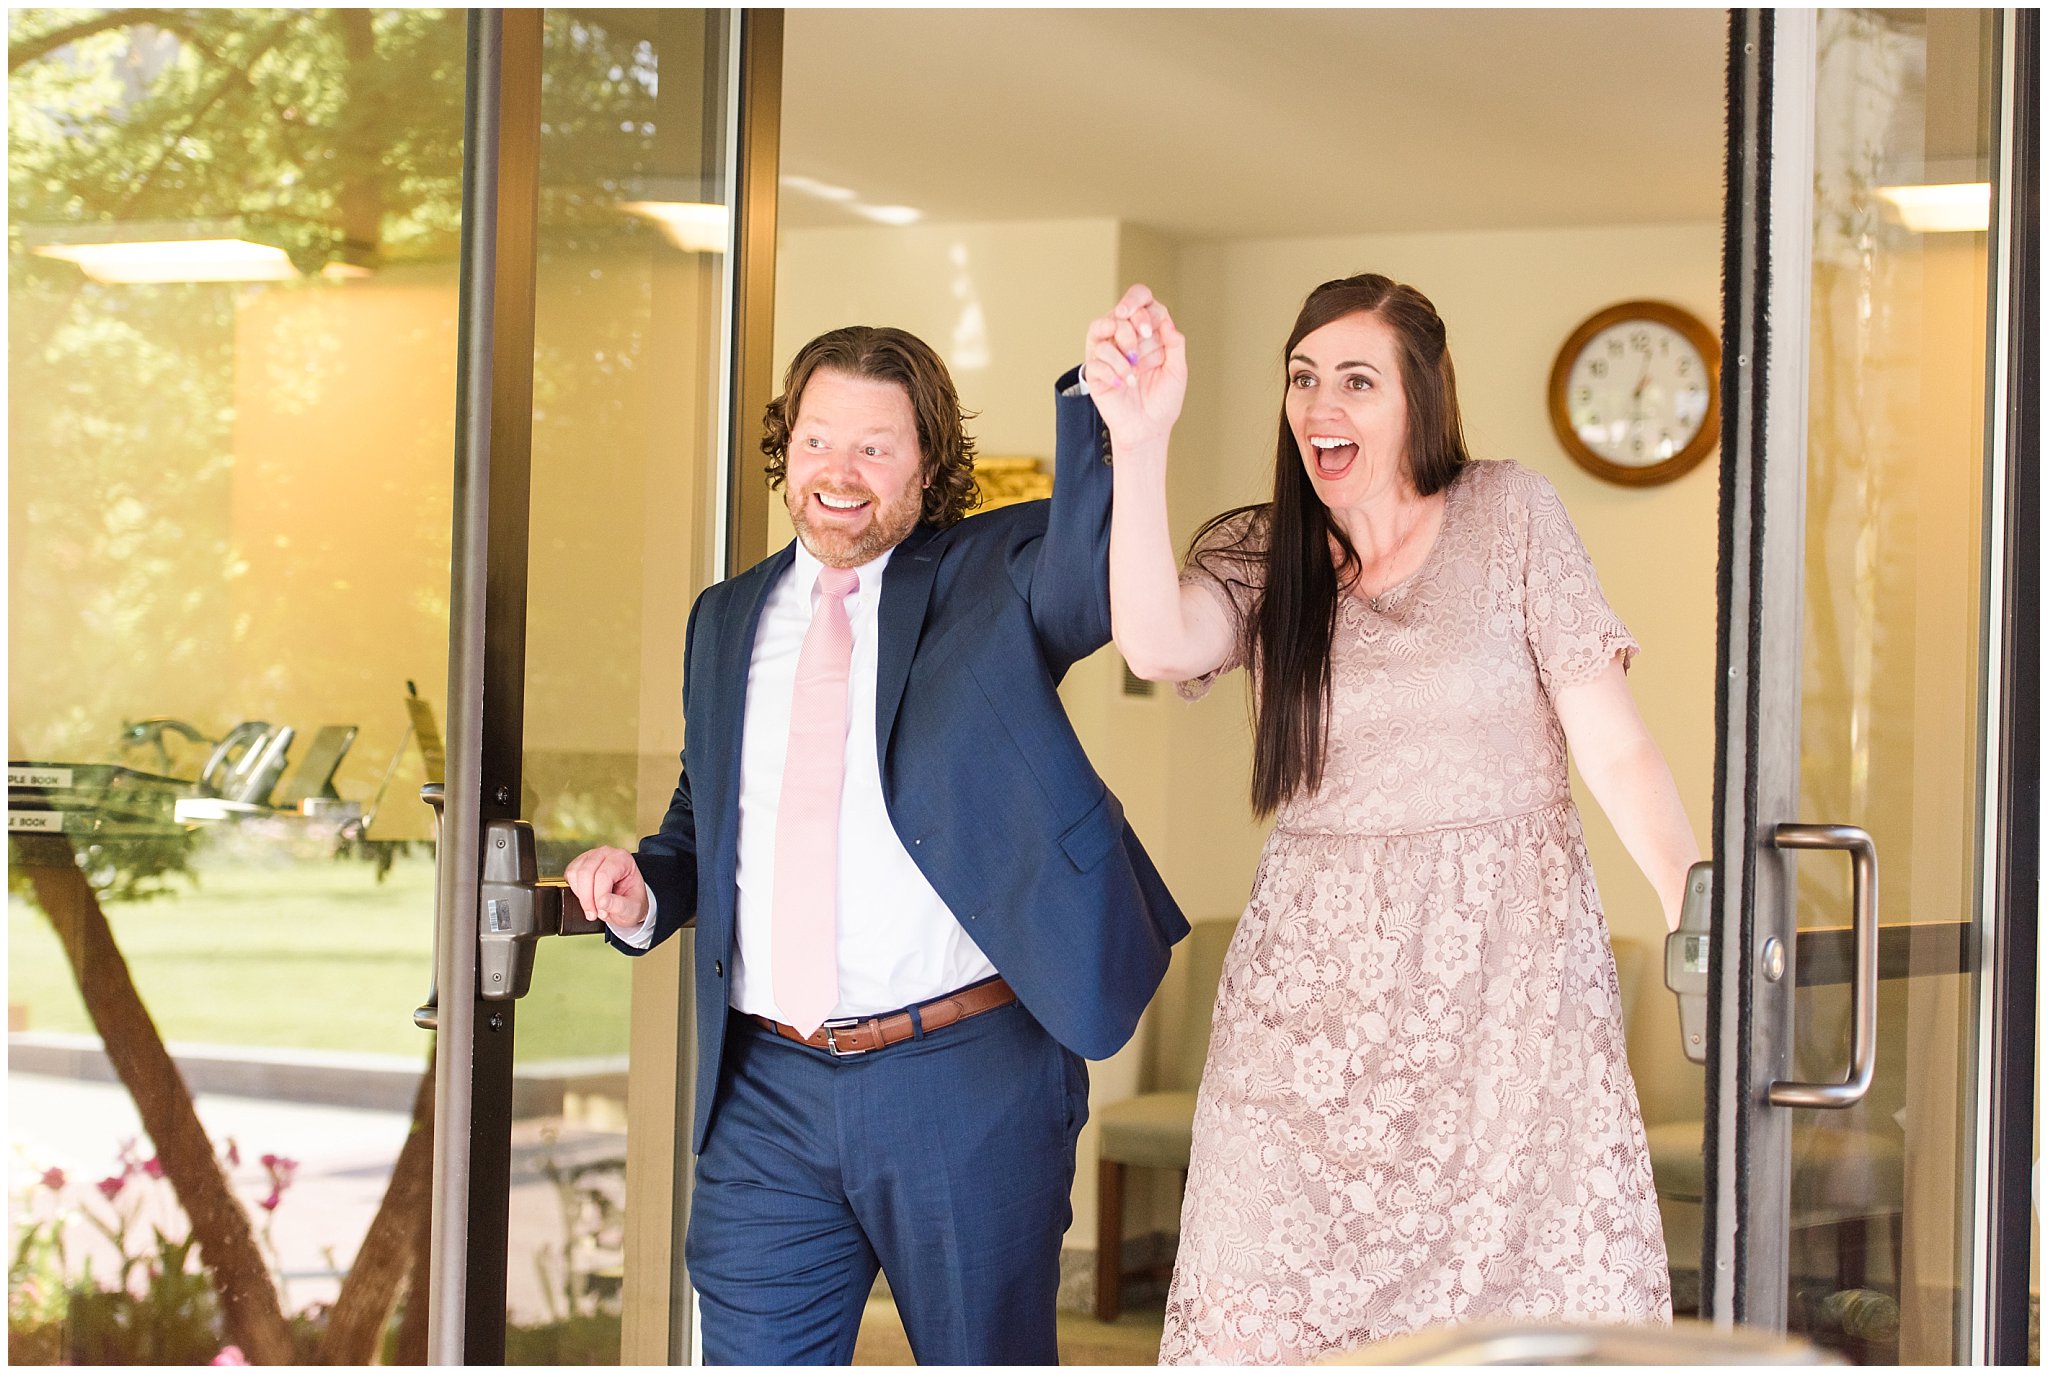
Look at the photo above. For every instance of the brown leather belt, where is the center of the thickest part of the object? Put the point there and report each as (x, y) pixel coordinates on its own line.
(859, 1035)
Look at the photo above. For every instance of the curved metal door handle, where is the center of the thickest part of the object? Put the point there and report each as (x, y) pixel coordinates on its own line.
(427, 1016)
(1862, 853)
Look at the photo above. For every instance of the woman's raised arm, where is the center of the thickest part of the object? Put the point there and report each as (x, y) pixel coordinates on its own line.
(1137, 372)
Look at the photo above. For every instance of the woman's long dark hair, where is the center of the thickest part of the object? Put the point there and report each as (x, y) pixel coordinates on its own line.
(1300, 561)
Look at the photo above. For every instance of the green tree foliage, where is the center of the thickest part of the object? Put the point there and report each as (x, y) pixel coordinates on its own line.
(334, 134)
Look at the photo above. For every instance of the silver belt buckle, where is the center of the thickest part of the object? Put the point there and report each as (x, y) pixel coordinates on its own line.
(832, 1039)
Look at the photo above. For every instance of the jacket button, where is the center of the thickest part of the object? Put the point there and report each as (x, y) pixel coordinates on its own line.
(718, 968)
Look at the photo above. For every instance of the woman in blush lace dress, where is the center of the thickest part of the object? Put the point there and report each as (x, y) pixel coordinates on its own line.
(1417, 1107)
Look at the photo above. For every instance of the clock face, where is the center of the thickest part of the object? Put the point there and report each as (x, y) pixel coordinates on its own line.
(1638, 392)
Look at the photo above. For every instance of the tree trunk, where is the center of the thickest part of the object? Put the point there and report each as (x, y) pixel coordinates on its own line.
(355, 1326)
(227, 1245)
(412, 1326)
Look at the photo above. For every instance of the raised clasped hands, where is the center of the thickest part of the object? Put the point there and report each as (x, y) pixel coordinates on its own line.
(607, 884)
(1137, 372)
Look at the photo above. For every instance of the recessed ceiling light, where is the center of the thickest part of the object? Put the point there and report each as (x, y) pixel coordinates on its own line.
(888, 214)
(175, 260)
(691, 226)
(1955, 208)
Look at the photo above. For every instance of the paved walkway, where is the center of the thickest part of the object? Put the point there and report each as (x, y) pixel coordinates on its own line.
(344, 1156)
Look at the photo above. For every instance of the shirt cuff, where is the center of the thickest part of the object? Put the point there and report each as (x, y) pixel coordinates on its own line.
(1080, 386)
(641, 936)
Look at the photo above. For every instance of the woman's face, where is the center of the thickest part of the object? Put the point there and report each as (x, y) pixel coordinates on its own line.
(1348, 412)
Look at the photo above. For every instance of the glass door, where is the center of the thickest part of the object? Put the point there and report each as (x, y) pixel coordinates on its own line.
(232, 281)
(1865, 701)
(597, 377)
(627, 468)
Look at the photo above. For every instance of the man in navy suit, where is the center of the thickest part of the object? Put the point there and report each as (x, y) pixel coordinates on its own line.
(917, 907)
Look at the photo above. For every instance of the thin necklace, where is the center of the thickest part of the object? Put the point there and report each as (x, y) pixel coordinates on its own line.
(1400, 546)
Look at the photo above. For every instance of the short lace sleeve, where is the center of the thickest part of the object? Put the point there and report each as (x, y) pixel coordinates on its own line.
(1229, 560)
(1573, 632)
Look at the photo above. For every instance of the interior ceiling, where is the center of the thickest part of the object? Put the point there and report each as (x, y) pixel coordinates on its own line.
(1252, 123)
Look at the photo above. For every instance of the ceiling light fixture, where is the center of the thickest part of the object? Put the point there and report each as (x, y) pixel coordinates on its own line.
(895, 215)
(140, 254)
(1953, 208)
(888, 214)
(691, 226)
(822, 190)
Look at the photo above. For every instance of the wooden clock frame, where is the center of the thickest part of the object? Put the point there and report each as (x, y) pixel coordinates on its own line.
(1678, 464)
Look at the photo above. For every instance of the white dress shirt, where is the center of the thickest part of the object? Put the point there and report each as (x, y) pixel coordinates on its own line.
(898, 942)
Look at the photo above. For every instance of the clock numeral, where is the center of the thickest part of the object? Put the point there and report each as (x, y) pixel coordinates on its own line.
(1599, 367)
(1614, 348)
(1584, 394)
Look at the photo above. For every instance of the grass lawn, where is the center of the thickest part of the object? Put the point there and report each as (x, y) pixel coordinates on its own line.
(307, 952)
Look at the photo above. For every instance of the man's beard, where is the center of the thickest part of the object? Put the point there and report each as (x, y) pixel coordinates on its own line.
(886, 526)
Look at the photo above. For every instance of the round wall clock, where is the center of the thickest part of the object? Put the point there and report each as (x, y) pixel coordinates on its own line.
(1635, 393)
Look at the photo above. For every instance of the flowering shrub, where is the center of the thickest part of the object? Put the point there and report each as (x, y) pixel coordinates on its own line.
(157, 1306)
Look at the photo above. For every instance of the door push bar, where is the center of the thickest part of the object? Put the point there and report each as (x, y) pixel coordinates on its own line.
(1862, 853)
(515, 907)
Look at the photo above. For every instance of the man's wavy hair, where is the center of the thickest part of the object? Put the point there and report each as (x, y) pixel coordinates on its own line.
(887, 355)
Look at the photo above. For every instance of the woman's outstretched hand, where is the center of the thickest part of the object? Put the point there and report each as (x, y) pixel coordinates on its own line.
(1137, 372)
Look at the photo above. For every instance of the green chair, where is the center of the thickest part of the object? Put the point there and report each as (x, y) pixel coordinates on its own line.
(1155, 1130)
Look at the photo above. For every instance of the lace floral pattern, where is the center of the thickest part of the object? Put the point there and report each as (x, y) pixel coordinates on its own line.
(1417, 1106)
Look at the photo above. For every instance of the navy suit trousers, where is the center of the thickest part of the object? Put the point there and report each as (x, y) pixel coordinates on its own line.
(947, 1161)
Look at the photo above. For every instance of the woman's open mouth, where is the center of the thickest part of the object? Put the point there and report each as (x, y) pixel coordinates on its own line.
(1333, 455)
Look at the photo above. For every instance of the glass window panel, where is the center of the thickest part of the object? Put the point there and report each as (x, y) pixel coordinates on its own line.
(232, 288)
(1890, 729)
(626, 364)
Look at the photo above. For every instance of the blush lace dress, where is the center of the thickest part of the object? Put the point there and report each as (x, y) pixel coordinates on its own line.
(1417, 1106)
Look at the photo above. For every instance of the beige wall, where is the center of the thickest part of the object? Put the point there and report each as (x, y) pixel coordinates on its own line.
(1511, 298)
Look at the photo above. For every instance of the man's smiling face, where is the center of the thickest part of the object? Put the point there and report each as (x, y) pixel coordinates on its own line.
(855, 484)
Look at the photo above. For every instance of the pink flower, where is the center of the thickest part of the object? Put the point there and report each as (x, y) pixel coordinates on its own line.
(230, 1354)
(269, 1204)
(53, 1179)
(234, 1157)
(110, 1187)
(153, 1166)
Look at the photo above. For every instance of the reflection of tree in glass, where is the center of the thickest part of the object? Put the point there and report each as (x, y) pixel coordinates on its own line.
(336, 135)
(333, 134)
(142, 582)
(325, 131)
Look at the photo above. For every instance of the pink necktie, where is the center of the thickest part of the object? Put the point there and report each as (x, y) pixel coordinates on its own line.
(806, 921)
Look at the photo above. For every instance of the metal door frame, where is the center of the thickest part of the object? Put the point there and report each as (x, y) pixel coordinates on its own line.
(2008, 999)
(486, 675)
(1763, 451)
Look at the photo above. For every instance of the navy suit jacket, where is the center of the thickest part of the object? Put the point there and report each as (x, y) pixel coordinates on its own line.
(985, 781)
